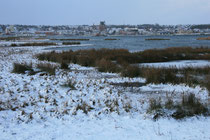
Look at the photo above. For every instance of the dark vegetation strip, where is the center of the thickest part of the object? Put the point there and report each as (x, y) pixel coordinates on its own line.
(71, 43)
(27, 68)
(13, 38)
(47, 67)
(203, 38)
(72, 39)
(173, 53)
(128, 84)
(122, 61)
(21, 68)
(189, 76)
(124, 57)
(34, 44)
(150, 39)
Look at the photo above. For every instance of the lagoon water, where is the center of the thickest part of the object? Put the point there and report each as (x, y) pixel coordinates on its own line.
(137, 43)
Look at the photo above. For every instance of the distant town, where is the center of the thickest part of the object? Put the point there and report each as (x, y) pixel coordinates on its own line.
(102, 29)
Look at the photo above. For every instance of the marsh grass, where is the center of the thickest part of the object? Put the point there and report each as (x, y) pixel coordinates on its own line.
(64, 65)
(203, 38)
(72, 39)
(22, 68)
(69, 84)
(155, 104)
(13, 38)
(131, 71)
(71, 43)
(189, 76)
(188, 107)
(122, 61)
(47, 67)
(34, 44)
(83, 107)
(173, 53)
(128, 84)
(106, 66)
(123, 56)
(150, 39)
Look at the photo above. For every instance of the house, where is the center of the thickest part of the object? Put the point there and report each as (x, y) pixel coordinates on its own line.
(10, 29)
(46, 33)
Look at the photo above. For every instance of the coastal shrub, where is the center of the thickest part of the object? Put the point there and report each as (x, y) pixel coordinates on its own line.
(71, 43)
(84, 107)
(156, 108)
(155, 104)
(131, 71)
(188, 107)
(11, 38)
(34, 44)
(85, 60)
(169, 104)
(64, 65)
(127, 106)
(105, 60)
(149, 39)
(47, 67)
(121, 60)
(129, 84)
(203, 38)
(39, 44)
(112, 105)
(14, 45)
(104, 65)
(72, 39)
(190, 76)
(51, 56)
(152, 75)
(173, 53)
(207, 83)
(70, 84)
(122, 56)
(21, 68)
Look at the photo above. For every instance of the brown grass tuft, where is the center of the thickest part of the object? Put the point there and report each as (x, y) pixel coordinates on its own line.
(47, 67)
(203, 38)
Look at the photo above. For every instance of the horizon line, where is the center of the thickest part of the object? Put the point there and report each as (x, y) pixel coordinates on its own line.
(106, 24)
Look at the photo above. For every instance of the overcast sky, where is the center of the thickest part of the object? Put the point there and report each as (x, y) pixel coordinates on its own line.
(77, 12)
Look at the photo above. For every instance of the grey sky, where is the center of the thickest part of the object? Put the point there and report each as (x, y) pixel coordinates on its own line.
(73, 12)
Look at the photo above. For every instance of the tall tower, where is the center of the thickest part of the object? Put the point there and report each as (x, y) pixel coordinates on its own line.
(102, 26)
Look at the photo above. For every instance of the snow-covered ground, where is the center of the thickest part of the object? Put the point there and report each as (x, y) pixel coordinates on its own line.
(179, 64)
(111, 127)
(40, 107)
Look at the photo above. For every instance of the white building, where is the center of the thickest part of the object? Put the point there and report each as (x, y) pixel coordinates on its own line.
(11, 29)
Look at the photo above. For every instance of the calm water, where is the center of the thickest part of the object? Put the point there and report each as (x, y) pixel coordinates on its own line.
(138, 43)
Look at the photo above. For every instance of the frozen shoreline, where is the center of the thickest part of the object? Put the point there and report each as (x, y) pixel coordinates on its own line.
(179, 64)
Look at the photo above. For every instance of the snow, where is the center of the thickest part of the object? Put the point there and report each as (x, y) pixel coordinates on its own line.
(40, 107)
(113, 127)
(179, 64)
(125, 79)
